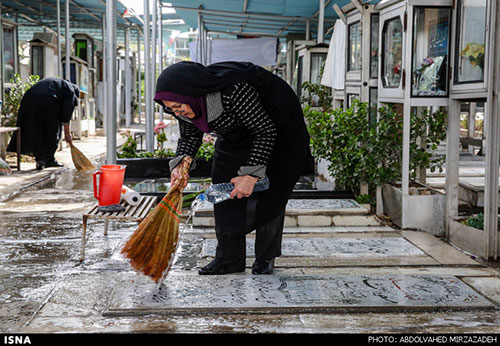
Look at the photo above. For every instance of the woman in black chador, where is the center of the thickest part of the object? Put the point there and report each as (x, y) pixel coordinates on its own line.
(44, 108)
(260, 131)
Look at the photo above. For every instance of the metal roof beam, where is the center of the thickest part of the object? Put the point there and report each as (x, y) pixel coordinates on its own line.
(87, 11)
(244, 33)
(289, 29)
(240, 14)
(242, 26)
(30, 9)
(339, 12)
(76, 9)
(358, 4)
(327, 2)
(34, 21)
(263, 21)
(267, 24)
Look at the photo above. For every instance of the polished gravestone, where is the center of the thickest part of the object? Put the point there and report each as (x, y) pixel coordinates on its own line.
(187, 292)
(334, 247)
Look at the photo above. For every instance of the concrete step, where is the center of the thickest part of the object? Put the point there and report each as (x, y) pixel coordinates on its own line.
(311, 230)
(308, 213)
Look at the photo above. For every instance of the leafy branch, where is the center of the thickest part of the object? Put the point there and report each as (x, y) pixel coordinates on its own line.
(359, 152)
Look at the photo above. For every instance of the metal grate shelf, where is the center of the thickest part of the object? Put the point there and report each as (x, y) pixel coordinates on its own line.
(131, 213)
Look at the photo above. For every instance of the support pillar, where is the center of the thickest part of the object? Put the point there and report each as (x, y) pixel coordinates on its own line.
(128, 84)
(68, 43)
(147, 80)
(139, 78)
(111, 82)
(492, 128)
(452, 162)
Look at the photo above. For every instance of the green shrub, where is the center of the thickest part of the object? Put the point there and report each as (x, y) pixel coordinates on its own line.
(129, 150)
(476, 221)
(12, 99)
(206, 151)
(359, 152)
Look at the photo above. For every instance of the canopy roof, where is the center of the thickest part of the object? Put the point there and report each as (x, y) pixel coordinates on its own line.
(277, 18)
(43, 12)
(85, 16)
(241, 18)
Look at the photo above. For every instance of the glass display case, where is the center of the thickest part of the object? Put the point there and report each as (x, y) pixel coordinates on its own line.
(37, 61)
(373, 103)
(470, 41)
(9, 53)
(317, 62)
(392, 53)
(309, 66)
(298, 78)
(374, 35)
(43, 54)
(351, 98)
(354, 47)
(430, 51)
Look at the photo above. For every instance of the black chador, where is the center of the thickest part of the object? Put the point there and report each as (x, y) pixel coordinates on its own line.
(44, 108)
(260, 131)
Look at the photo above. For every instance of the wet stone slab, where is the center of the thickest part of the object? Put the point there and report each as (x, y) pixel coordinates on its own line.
(302, 204)
(334, 247)
(186, 293)
(322, 203)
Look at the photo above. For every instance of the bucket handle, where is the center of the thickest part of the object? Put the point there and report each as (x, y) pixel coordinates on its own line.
(94, 176)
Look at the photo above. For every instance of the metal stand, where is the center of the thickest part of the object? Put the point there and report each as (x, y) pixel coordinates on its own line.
(131, 213)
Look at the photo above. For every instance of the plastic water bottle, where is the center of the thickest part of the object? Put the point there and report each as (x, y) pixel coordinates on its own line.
(217, 193)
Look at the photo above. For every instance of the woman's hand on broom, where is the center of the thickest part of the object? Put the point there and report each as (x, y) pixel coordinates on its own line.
(67, 134)
(243, 186)
(176, 176)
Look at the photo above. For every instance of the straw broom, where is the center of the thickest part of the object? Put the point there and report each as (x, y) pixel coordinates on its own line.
(79, 160)
(152, 246)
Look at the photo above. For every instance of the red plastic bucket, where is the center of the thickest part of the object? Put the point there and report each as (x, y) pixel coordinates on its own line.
(108, 191)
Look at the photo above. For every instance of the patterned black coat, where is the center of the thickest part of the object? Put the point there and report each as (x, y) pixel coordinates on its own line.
(260, 131)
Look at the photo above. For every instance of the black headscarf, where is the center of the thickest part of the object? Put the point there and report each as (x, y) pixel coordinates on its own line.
(76, 89)
(194, 79)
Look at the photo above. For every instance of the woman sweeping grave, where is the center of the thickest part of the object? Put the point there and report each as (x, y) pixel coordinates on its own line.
(45, 109)
(260, 131)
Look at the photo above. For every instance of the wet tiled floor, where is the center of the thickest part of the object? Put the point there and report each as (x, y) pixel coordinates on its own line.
(356, 275)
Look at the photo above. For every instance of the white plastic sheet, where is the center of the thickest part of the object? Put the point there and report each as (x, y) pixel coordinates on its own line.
(260, 51)
(334, 71)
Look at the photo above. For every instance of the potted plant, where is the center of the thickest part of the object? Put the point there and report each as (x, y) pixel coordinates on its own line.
(464, 231)
(143, 164)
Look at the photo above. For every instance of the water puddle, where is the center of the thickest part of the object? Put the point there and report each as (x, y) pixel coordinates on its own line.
(68, 191)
